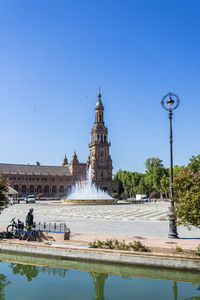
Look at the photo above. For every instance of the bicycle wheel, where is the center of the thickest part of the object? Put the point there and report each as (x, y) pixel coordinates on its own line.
(23, 235)
(10, 228)
(34, 235)
(16, 233)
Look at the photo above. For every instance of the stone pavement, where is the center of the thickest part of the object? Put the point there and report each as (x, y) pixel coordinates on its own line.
(143, 220)
(146, 211)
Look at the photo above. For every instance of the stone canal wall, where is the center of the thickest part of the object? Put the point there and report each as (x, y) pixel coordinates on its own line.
(74, 252)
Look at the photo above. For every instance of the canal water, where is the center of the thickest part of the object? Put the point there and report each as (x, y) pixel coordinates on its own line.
(29, 278)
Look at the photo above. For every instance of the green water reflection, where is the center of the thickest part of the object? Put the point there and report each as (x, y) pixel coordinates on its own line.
(44, 281)
(99, 282)
(31, 272)
(3, 283)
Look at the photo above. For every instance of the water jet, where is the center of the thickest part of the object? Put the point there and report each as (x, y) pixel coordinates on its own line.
(87, 193)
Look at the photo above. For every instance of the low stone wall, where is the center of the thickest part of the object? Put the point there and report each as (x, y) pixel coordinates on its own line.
(53, 236)
(89, 201)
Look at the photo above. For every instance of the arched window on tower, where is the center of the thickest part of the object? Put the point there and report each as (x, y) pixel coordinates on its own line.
(101, 137)
(100, 118)
(104, 138)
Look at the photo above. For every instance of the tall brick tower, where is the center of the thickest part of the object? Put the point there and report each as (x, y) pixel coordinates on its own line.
(99, 158)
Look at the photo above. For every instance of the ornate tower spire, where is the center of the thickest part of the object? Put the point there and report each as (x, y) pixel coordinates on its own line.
(74, 159)
(65, 161)
(99, 93)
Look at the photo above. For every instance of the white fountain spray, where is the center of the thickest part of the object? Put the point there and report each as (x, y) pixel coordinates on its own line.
(88, 190)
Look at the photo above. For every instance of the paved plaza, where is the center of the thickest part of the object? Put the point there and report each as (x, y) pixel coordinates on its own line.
(149, 219)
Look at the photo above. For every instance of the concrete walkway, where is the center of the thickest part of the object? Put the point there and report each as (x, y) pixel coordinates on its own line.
(82, 240)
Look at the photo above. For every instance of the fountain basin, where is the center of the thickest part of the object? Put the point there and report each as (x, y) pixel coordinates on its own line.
(89, 201)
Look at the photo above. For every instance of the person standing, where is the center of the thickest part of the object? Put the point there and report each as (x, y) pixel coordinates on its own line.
(29, 218)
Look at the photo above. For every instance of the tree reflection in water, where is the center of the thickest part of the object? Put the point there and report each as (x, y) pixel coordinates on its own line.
(32, 271)
(175, 290)
(192, 298)
(3, 284)
(99, 279)
(175, 293)
(24, 270)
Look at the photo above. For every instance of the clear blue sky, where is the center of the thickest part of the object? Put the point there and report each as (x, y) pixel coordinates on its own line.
(54, 55)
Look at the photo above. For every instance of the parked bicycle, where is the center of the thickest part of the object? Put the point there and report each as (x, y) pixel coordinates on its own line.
(17, 230)
(14, 227)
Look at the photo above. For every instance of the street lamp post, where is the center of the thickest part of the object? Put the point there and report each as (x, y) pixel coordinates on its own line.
(170, 102)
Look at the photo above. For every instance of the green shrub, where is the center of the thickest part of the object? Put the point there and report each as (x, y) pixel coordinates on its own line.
(95, 244)
(122, 246)
(117, 245)
(116, 242)
(109, 243)
(137, 246)
(178, 249)
(198, 251)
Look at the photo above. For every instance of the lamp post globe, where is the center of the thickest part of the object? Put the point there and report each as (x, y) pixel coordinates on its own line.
(170, 102)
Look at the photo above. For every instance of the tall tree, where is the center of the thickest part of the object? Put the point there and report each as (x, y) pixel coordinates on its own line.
(165, 185)
(142, 187)
(195, 163)
(187, 197)
(130, 183)
(3, 198)
(118, 178)
(177, 170)
(154, 172)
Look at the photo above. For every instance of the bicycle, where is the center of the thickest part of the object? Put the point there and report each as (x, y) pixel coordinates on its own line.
(14, 228)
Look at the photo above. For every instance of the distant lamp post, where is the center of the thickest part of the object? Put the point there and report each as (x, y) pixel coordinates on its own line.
(170, 102)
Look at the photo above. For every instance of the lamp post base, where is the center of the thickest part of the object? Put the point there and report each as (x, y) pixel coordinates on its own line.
(173, 235)
(172, 230)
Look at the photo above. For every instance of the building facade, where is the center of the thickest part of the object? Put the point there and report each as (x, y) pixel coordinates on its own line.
(46, 181)
(57, 181)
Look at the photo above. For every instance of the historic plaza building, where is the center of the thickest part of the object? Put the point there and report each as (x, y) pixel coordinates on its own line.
(57, 181)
